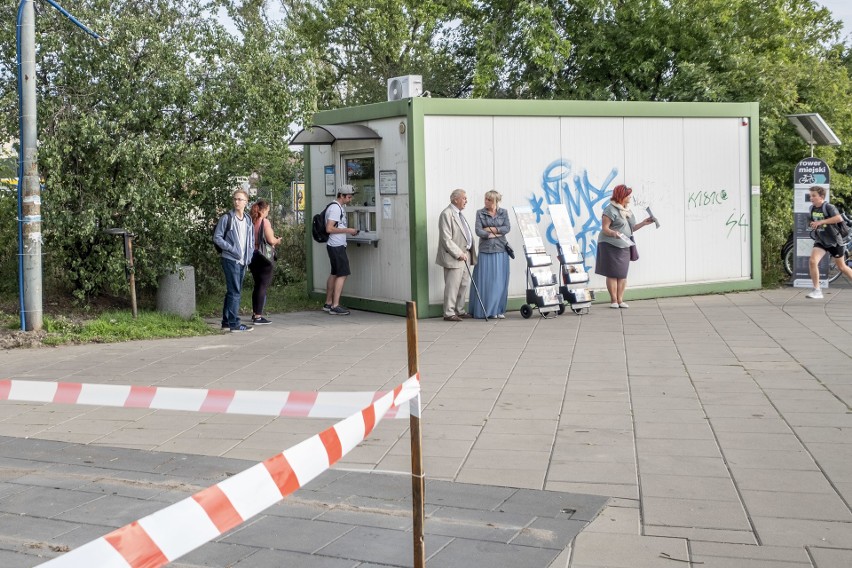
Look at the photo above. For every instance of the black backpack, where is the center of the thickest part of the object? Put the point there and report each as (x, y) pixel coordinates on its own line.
(227, 230)
(841, 227)
(318, 224)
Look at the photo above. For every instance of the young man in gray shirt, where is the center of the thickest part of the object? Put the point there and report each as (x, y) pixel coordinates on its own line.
(335, 226)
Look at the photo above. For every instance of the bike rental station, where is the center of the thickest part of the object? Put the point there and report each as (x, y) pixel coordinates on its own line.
(808, 173)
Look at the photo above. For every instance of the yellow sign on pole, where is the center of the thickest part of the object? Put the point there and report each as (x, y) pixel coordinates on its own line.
(298, 195)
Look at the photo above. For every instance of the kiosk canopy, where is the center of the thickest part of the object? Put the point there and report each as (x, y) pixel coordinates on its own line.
(330, 133)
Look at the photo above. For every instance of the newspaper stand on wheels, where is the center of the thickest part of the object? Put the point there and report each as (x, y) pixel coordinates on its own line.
(573, 276)
(542, 285)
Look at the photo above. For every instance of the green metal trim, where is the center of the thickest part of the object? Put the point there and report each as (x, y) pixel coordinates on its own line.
(391, 308)
(510, 107)
(365, 112)
(308, 214)
(418, 223)
(514, 304)
(489, 107)
(602, 299)
(756, 218)
(685, 290)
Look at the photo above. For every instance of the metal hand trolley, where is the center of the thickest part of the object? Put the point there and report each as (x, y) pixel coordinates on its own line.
(574, 278)
(542, 287)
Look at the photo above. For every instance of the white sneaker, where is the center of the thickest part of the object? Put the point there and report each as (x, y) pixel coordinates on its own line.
(623, 305)
(614, 306)
(816, 294)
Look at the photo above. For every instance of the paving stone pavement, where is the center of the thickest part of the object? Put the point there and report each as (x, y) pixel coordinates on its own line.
(717, 426)
(58, 495)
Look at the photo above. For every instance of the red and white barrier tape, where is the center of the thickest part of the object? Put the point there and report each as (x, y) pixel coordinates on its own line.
(315, 404)
(171, 532)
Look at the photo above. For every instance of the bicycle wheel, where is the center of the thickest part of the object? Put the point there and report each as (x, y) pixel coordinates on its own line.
(788, 254)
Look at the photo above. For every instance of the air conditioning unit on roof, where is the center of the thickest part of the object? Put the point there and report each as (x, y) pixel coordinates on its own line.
(405, 87)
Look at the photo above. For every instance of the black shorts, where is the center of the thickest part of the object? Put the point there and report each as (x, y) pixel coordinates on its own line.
(835, 251)
(339, 261)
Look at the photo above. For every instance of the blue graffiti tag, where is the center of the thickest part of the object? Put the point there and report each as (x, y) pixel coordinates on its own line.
(556, 182)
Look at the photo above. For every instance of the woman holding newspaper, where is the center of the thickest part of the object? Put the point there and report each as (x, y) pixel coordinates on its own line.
(614, 242)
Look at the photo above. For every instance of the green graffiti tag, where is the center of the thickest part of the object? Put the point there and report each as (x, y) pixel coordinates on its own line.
(706, 198)
(732, 222)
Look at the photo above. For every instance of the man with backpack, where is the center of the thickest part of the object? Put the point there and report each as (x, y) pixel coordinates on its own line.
(335, 226)
(234, 239)
(829, 237)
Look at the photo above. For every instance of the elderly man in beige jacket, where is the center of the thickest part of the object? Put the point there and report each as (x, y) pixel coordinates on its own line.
(456, 246)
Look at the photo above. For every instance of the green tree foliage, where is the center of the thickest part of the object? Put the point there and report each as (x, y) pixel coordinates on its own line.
(357, 45)
(148, 130)
(522, 48)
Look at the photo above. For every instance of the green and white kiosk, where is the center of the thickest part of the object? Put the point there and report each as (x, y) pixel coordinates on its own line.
(695, 164)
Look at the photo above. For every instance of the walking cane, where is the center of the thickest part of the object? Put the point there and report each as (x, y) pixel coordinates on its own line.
(475, 289)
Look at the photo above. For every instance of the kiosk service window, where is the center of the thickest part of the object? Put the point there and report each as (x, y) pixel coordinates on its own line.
(359, 170)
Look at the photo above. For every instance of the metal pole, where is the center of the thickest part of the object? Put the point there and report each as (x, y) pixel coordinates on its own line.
(418, 481)
(476, 289)
(30, 194)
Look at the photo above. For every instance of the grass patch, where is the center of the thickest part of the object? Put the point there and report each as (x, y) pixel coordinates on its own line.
(116, 326)
(110, 322)
(9, 321)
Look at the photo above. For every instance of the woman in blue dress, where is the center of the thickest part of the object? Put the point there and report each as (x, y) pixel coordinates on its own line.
(491, 272)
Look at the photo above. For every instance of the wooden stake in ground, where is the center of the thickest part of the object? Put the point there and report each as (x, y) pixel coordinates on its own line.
(418, 480)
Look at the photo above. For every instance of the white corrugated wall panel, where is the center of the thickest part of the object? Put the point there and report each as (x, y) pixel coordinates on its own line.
(593, 163)
(459, 153)
(717, 201)
(653, 167)
(524, 147)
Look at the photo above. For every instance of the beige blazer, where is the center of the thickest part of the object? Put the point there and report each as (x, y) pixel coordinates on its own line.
(451, 240)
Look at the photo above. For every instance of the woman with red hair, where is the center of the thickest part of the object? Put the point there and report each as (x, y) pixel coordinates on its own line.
(614, 240)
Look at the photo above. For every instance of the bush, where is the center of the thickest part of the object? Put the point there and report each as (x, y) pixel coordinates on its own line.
(292, 259)
(8, 241)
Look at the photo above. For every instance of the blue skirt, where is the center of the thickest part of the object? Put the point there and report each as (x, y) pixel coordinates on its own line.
(491, 276)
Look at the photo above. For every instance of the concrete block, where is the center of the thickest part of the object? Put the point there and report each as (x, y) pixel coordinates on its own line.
(176, 292)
